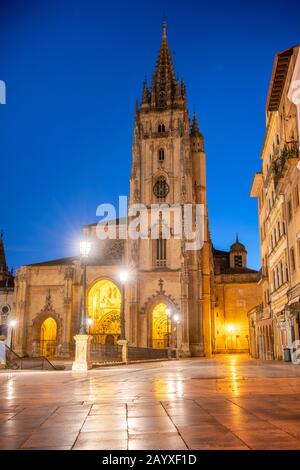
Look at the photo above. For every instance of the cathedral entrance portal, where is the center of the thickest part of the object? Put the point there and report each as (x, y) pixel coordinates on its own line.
(48, 337)
(161, 327)
(104, 306)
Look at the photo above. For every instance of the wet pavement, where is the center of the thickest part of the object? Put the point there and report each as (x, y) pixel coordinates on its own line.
(231, 402)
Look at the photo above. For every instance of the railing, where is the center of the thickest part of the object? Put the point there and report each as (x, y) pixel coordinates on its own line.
(140, 354)
(14, 361)
(105, 353)
(48, 348)
(290, 150)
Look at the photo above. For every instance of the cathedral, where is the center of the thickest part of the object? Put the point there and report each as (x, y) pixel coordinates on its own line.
(193, 300)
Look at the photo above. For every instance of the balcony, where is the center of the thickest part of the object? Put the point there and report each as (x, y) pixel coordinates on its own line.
(288, 152)
(263, 274)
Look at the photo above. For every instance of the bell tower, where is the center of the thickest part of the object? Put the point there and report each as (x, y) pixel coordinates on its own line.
(168, 167)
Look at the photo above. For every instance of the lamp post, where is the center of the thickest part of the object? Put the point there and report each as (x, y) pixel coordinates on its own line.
(172, 318)
(123, 278)
(89, 323)
(82, 340)
(12, 324)
(85, 248)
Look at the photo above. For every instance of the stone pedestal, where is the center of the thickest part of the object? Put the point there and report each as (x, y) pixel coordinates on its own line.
(124, 344)
(2, 354)
(82, 361)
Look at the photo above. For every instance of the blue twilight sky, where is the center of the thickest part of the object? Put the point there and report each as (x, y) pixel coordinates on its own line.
(73, 71)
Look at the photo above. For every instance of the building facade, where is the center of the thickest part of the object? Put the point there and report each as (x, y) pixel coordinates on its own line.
(275, 322)
(168, 168)
(6, 296)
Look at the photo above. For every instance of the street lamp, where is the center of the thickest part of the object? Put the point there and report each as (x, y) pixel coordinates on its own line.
(123, 276)
(89, 323)
(172, 318)
(85, 248)
(12, 324)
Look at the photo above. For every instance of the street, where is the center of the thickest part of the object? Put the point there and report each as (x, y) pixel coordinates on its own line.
(228, 402)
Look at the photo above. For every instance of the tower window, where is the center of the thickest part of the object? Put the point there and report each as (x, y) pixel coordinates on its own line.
(161, 251)
(161, 128)
(238, 261)
(161, 155)
(161, 188)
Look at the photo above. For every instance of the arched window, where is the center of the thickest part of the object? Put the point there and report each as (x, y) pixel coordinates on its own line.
(161, 155)
(161, 128)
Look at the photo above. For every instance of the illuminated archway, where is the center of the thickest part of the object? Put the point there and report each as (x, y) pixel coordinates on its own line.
(161, 326)
(48, 337)
(104, 306)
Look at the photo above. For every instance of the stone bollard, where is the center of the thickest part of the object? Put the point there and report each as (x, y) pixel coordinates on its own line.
(124, 344)
(82, 361)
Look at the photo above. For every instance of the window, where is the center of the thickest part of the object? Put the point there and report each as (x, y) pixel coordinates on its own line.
(161, 128)
(161, 155)
(274, 280)
(161, 251)
(283, 228)
(161, 188)
(238, 261)
(281, 272)
(292, 259)
(296, 196)
(277, 139)
(279, 229)
(289, 210)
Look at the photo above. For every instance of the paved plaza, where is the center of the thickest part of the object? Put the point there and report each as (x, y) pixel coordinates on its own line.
(231, 402)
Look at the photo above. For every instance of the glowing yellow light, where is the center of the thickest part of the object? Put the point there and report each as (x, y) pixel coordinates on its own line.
(231, 328)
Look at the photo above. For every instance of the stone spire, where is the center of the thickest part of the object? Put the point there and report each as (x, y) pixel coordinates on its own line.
(164, 83)
(195, 131)
(3, 265)
(145, 97)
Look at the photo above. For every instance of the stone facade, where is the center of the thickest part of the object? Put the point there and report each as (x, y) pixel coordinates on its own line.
(276, 320)
(168, 167)
(6, 296)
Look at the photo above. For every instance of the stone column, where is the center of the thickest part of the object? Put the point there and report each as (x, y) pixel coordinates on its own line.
(2, 352)
(82, 361)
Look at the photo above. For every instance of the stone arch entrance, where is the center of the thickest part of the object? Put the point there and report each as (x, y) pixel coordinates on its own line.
(160, 326)
(104, 307)
(48, 335)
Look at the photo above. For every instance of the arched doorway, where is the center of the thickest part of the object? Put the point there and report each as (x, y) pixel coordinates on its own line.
(160, 327)
(104, 306)
(48, 337)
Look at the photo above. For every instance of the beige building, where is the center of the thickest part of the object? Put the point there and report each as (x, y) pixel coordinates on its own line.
(168, 167)
(235, 292)
(273, 325)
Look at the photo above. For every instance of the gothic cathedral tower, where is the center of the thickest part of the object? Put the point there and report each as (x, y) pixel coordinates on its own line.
(168, 166)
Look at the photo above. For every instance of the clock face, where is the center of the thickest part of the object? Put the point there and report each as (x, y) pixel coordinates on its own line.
(161, 188)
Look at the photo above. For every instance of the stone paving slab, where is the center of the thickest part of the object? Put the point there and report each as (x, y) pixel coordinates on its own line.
(228, 402)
